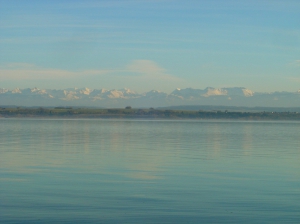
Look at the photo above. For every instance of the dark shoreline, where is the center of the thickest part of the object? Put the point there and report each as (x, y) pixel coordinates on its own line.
(69, 113)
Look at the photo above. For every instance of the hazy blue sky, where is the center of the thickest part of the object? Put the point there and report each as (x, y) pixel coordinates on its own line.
(150, 44)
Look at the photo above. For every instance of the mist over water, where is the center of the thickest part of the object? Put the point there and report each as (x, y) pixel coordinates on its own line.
(149, 171)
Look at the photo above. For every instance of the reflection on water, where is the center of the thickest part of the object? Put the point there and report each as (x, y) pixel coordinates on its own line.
(134, 171)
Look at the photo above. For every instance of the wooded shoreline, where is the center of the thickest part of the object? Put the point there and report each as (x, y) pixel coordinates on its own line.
(68, 112)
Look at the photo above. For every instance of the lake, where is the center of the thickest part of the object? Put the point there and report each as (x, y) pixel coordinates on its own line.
(149, 171)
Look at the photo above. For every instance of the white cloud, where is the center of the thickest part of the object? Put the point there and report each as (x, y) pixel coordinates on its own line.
(24, 71)
(294, 79)
(295, 63)
(141, 75)
(149, 70)
(34, 74)
(145, 67)
(18, 65)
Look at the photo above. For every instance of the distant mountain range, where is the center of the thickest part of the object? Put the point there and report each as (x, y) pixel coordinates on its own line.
(236, 96)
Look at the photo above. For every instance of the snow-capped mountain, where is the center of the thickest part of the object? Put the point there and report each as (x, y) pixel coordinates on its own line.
(236, 96)
(209, 91)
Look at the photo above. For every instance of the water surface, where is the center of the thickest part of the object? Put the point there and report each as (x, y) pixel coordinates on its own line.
(149, 171)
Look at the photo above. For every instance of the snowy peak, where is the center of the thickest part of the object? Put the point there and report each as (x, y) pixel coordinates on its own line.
(209, 91)
(188, 92)
(238, 91)
(118, 94)
(16, 90)
(85, 91)
(215, 92)
(120, 97)
(155, 94)
(69, 95)
(2, 90)
(248, 92)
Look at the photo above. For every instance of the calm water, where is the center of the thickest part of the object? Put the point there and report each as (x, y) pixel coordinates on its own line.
(135, 171)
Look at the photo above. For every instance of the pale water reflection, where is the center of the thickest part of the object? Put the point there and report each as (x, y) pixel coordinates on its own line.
(147, 171)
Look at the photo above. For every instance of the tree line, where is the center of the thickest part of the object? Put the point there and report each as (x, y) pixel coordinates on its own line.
(129, 112)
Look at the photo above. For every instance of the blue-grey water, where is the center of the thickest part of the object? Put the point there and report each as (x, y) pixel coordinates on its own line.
(149, 171)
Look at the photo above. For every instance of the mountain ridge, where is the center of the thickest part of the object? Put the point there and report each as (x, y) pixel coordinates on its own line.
(232, 96)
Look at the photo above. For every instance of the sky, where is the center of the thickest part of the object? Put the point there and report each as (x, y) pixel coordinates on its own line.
(150, 44)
